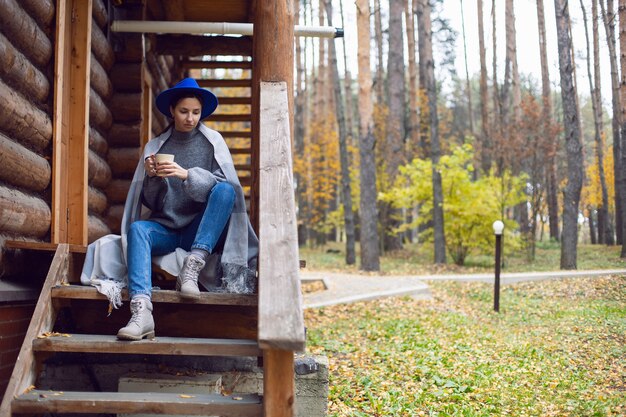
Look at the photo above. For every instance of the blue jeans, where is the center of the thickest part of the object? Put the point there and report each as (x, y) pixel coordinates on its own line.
(147, 238)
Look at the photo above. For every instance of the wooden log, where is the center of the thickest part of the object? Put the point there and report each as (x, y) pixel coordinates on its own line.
(25, 34)
(126, 77)
(131, 48)
(99, 173)
(97, 142)
(19, 71)
(97, 201)
(125, 134)
(165, 69)
(117, 190)
(123, 161)
(23, 214)
(21, 120)
(99, 13)
(22, 167)
(158, 80)
(42, 11)
(101, 47)
(190, 45)
(126, 107)
(99, 79)
(97, 228)
(99, 114)
(114, 217)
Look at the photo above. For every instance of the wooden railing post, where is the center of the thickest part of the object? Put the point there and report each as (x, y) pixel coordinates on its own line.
(281, 321)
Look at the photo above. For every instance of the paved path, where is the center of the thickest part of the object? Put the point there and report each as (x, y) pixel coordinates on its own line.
(349, 288)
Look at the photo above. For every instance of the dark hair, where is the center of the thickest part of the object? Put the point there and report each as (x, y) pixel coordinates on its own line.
(183, 95)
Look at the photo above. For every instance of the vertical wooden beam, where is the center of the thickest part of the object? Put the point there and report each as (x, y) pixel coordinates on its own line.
(71, 122)
(278, 383)
(146, 106)
(272, 60)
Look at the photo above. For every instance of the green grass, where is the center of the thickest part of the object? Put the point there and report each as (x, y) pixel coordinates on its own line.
(417, 259)
(557, 348)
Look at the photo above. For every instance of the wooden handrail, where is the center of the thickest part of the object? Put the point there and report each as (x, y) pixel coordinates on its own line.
(281, 322)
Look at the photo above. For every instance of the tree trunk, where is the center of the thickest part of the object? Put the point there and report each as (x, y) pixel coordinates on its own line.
(552, 182)
(346, 190)
(413, 128)
(605, 233)
(486, 142)
(608, 17)
(299, 132)
(394, 145)
(497, 129)
(571, 124)
(428, 65)
(592, 226)
(380, 69)
(467, 77)
(370, 250)
(621, 213)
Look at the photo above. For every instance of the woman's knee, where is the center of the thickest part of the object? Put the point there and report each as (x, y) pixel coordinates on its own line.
(138, 229)
(225, 191)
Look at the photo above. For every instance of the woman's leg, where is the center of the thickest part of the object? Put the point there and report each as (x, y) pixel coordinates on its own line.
(203, 234)
(146, 238)
(206, 229)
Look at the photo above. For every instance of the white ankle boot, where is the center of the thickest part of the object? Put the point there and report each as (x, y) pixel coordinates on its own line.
(141, 324)
(187, 281)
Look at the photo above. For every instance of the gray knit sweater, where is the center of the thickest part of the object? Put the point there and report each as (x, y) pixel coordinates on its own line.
(174, 202)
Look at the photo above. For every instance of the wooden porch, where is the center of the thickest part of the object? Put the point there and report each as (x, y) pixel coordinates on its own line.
(100, 112)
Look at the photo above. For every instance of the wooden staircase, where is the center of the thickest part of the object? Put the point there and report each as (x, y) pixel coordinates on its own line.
(71, 320)
(47, 337)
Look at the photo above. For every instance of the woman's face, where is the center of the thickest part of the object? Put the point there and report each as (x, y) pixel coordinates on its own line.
(186, 114)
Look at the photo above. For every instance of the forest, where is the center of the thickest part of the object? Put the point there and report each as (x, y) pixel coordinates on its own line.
(397, 141)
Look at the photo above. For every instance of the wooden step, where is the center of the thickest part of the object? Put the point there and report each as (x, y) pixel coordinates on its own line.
(240, 151)
(230, 118)
(82, 292)
(91, 343)
(236, 134)
(74, 402)
(216, 64)
(234, 100)
(224, 83)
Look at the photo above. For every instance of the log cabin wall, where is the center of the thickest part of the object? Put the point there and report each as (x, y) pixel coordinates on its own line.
(27, 51)
(138, 76)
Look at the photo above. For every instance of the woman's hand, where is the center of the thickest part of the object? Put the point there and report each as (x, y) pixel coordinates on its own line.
(171, 169)
(149, 165)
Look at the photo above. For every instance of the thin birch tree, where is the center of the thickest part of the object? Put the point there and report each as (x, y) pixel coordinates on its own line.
(621, 214)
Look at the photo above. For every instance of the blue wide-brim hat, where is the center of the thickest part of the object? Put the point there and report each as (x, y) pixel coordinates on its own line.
(188, 85)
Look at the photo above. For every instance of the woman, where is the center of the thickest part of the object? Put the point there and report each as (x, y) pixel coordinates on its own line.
(195, 206)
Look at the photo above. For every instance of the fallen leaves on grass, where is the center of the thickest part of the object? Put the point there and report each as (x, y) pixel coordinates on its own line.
(556, 348)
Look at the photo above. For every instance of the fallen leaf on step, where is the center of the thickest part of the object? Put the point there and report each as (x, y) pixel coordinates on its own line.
(185, 396)
(237, 398)
(53, 334)
(65, 283)
(29, 389)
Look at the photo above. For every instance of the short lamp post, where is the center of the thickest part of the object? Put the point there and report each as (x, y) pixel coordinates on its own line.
(498, 227)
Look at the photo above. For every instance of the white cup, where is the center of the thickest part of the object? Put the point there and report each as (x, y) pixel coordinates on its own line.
(163, 157)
